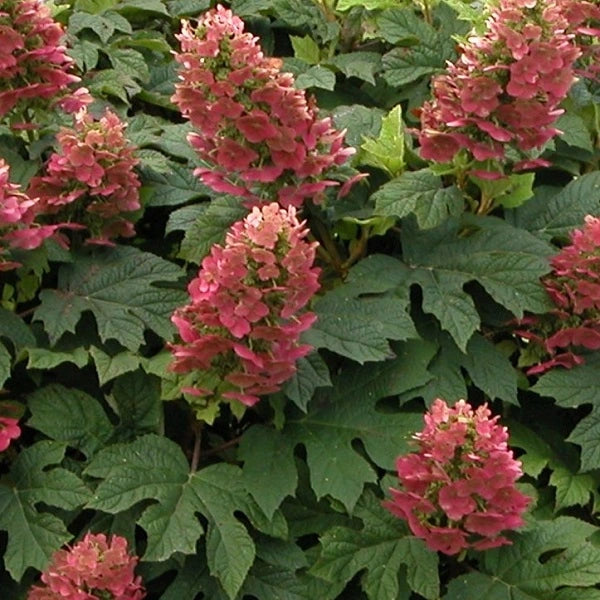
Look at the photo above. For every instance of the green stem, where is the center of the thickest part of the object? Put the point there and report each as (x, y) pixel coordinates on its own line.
(197, 427)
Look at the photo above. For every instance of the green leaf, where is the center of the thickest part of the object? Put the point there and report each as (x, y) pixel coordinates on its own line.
(153, 467)
(506, 261)
(343, 5)
(381, 547)
(329, 428)
(275, 574)
(14, 328)
(130, 62)
(312, 372)
(306, 49)
(357, 319)
(41, 358)
(304, 14)
(183, 218)
(100, 25)
(70, 416)
(587, 435)
(173, 188)
(571, 487)
(402, 25)
(571, 387)
(359, 121)
(34, 535)
(426, 52)
(150, 467)
(517, 573)
(510, 191)
(387, 150)
(422, 193)
(266, 451)
(85, 54)
(210, 227)
(574, 131)
(150, 40)
(159, 89)
(363, 65)
(180, 8)
(120, 23)
(5, 364)
(446, 380)
(490, 370)
(316, 76)
(564, 211)
(136, 400)
(173, 141)
(133, 7)
(113, 83)
(119, 286)
(108, 367)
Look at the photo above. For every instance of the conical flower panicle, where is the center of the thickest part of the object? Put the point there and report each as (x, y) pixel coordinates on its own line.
(574, 288)
(96, 567)
(247, 306)
(458, 489)
(90, 180)
(505, 89)
(259, 135)
(34, 64)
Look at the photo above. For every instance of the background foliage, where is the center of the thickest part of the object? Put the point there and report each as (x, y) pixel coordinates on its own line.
(286, 500)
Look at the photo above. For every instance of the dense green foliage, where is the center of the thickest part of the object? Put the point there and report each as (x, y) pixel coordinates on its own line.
(423, 279)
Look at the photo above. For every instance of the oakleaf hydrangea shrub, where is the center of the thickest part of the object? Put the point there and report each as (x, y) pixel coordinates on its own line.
(96, 567)
(339, 348)
(247, 306)
(458, 489)
(91, 180)
(574, 287)
(260, 136)
(505, 89)
(34, 65)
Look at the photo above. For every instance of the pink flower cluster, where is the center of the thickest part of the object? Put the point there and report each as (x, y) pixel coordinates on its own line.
(90, 180)
(9, 430)
(584, 22)
(94, 568)
(458, 489)
(574, 287)
(505, 89)
(260, 136)
(245, 315)
(17, 214)
(33, 62)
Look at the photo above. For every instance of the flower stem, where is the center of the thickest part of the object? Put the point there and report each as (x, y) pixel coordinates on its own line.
(197, 426)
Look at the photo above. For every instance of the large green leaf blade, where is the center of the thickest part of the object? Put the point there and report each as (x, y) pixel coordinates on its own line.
(349, 413)
(265, 452)
(33, 534)
(517, 572)
(380, 548)
(70, 416)
(119, 286)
